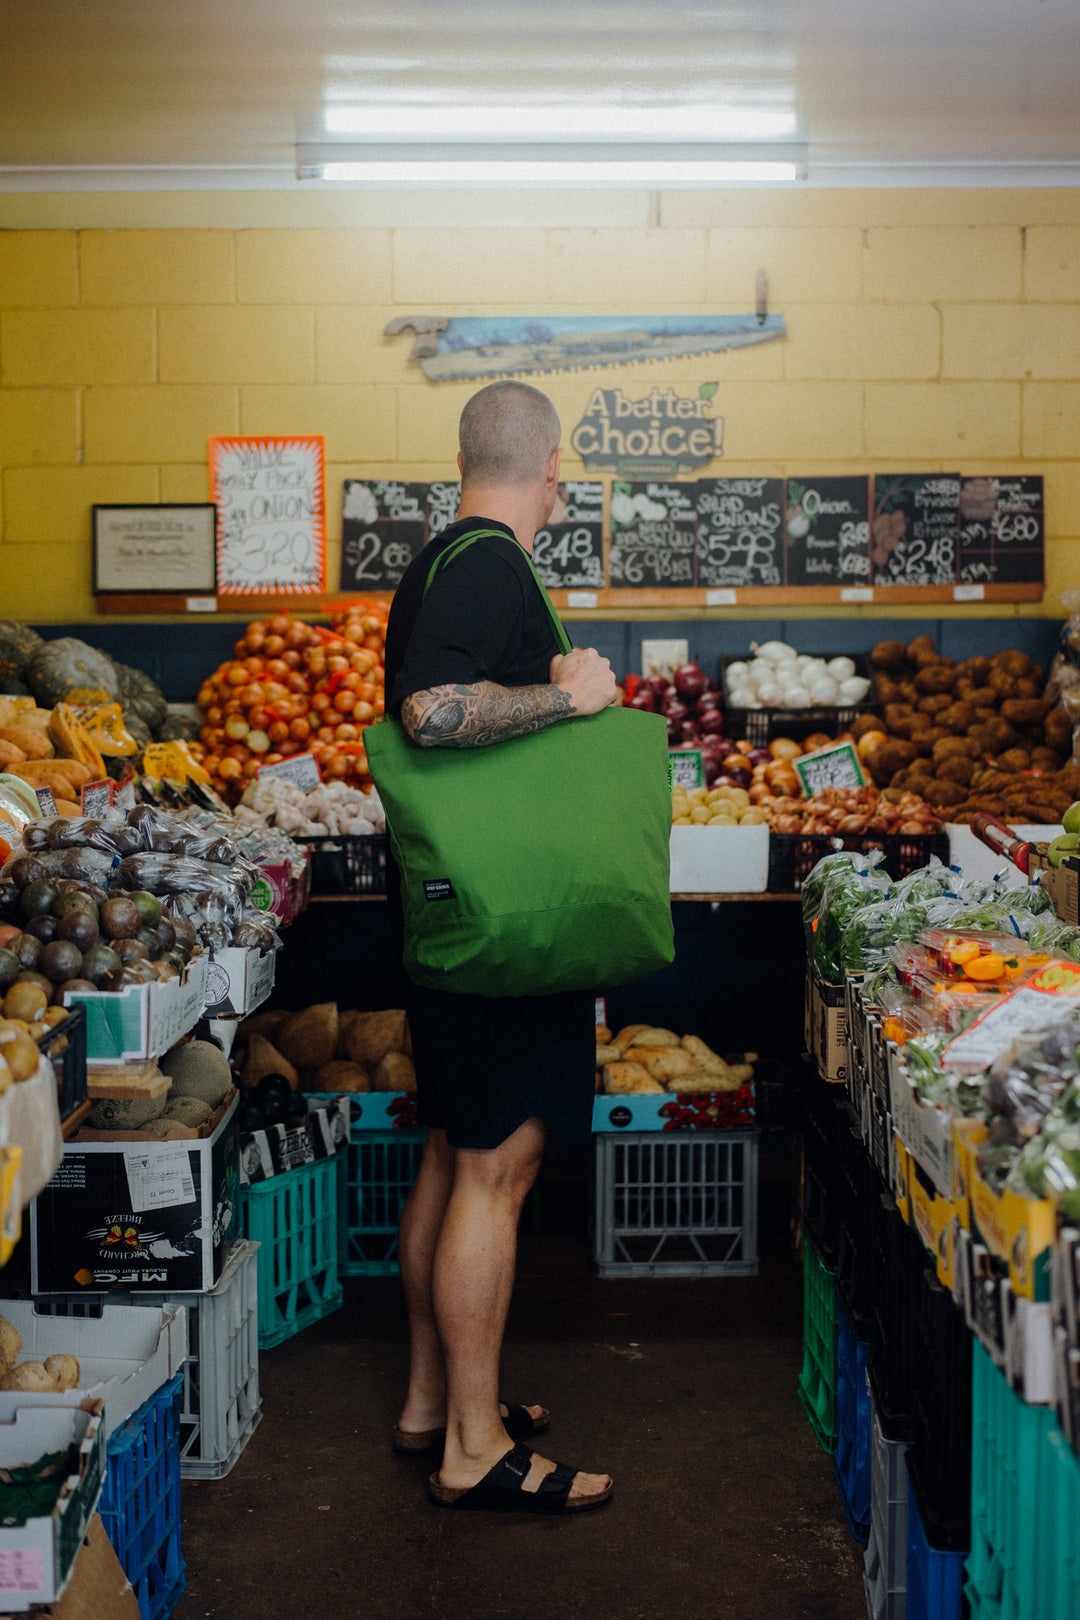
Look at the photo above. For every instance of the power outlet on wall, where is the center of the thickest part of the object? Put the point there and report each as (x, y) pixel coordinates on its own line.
(663, 657)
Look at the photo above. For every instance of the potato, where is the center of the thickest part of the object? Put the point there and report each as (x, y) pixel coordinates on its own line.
(648, 1036)
(936, 676)
(956, 768)
(889, 655)
(629, 1079)
(10, 1344)
(64, 1371)
(942, 794)
(957, 719)
(29, 1375)
(1019, 711)
(665, 1063)
(935, 703)
(921, 651)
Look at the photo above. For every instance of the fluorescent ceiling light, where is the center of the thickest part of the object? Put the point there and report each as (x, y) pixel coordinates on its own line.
(553, 122)
(558, 176)
(552, 165)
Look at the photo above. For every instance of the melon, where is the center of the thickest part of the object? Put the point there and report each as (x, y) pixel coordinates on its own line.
(190, 1111)
(125, 1113)
(198, 1069)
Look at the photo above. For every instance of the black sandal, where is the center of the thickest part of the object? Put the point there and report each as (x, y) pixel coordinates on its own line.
(501, 1489)
(519, 1424)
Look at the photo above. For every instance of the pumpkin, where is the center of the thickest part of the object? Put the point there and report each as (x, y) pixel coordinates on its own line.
(104, 724)
(73, 741)
(178, 728)
(68, 670)
(11, 686)
(141, 696)
(17, 643)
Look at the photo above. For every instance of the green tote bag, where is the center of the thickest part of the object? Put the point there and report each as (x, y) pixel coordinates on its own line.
(535, 865)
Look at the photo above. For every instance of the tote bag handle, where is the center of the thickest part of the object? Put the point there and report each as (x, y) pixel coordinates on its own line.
(452, 553)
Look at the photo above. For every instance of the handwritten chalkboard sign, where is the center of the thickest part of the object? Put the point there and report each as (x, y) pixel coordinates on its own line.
(914, 530)
(568, 553)
(740, 531)
(1001, 530)
(383, 527)
(271, 515)
(653, 534)
(443, 501)
(827, 531)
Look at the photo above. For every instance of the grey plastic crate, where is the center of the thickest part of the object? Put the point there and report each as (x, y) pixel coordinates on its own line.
(885, 1560)
(676, 1204)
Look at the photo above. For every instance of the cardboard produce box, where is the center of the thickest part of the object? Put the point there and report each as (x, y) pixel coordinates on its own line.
(138, 1214)
(827, 1027)
(274, 1149)
(145, 1019)
(1019, 1231)
(37, 1558)
(124, 1355)
(98, 1588)
(1062, 883)
(238, 981)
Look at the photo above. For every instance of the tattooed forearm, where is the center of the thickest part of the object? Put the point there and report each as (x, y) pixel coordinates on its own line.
(473, 716)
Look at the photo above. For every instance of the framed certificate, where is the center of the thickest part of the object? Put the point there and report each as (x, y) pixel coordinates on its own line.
(155, 550)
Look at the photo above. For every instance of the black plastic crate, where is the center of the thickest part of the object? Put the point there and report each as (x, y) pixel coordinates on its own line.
(793, 856)
(348, 863)
(760, 726)
(896, 1261)
(65, 1046)
(854, 1187)
(939, 1457)
(821, 1125)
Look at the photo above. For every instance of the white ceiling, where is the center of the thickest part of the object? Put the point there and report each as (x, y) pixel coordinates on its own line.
(217, 92)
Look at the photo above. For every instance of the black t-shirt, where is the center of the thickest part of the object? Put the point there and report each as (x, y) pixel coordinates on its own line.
(483, 618)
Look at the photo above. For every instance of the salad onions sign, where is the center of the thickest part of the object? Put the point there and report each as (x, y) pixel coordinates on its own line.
(271, 515)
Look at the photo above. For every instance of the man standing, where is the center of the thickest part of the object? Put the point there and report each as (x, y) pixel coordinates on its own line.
(472, 663)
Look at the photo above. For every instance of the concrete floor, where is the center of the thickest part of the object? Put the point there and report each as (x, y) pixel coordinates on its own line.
(725, 1506)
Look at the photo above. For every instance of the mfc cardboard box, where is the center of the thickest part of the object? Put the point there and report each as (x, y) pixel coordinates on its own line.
(138, 1214)
(36, 1558)
(827, 1028)
(1062, 883)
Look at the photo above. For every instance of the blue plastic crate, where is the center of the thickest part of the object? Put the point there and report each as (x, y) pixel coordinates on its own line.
(140, 1501)
(935, 1579)
(379, 1169)
(852, 1427)
(294, 1219)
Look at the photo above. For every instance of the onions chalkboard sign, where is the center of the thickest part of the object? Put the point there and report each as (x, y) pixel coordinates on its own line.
(653, 534)
(827, 531)
(383, 527)
(568, 553)
(740, 537)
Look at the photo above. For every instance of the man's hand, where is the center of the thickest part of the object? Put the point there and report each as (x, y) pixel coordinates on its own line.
(586, 677)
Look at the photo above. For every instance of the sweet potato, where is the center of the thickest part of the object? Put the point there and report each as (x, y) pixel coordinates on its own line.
(33, 744)
(10, 755)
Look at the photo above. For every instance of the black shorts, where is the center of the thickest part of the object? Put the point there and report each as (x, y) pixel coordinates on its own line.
(484, 1066)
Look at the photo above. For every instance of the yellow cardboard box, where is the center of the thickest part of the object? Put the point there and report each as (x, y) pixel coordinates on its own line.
(1020, 1231)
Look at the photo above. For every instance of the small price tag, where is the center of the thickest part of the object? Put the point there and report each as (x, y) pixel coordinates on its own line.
(857, 593)
(124, 794)
(301, 769)
(46, 801)
(968, 593)
(96, 798)
(836, 767)
(581, 599)
(201, 604)
(721, 599)
(687, 767)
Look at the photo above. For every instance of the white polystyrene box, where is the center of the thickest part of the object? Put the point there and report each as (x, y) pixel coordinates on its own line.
(719, 860)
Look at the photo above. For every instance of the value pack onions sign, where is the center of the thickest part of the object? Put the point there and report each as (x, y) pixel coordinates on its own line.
(271, 515)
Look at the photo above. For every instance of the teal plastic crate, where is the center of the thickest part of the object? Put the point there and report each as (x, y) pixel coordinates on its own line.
(294, 1219)
(1025, 1507)
(140, 1501)
(379, 1169)
(817, 1379)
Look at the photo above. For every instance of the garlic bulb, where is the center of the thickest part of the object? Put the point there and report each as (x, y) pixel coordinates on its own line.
(823, 690)
(774, 652)
(795, 697)
(841, 669)
(854, 689)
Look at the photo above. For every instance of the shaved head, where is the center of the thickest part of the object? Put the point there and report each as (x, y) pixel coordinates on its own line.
(507, 434)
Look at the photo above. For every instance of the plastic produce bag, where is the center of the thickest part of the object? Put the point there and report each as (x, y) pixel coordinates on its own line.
(168, 834)
(846, 891)
(176, 874)
(80, 832)
(86, 865)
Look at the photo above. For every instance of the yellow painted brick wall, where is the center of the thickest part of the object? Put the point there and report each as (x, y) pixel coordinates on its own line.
(927, 331)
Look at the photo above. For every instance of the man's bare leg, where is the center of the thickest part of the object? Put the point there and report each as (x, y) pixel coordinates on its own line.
(473, 1279)
(425, 1403)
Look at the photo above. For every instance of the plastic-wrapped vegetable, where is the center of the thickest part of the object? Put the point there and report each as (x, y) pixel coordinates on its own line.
(816, 882)
(875, 929)
(75, 832)
(175, 874)
(846, 892)
(87, 865)
(927, 882)
(1049, 1165)
(923, 1057)
(168, 834)
(254, 931)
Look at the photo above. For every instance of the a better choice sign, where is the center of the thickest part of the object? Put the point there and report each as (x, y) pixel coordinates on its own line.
(658, 436)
